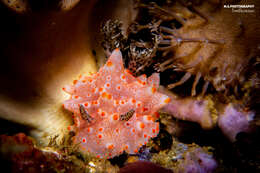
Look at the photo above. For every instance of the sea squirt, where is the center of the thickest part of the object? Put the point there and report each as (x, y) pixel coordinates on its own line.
(113, 110)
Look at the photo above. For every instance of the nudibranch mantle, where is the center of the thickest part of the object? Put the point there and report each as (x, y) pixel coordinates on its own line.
(113, 110)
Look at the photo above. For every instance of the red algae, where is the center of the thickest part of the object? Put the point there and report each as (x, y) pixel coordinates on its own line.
(113, 110)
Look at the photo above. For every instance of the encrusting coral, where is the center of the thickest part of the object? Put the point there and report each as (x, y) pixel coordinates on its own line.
(113, 110)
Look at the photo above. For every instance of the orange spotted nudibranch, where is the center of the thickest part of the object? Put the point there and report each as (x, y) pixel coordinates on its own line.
(113, 110)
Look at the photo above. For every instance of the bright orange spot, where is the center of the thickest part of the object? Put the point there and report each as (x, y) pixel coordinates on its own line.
(141, 125)
(117, 102)
(104, 95)
(88, 94)
(100, 89)
(110, 147)
(90, 80)
(138, 104)
(99, 136)
(144, 83)
(108, 85)
(103, 113)
(153, 130)
(139, 81)
(75, 81)
(136, 151)
(126, 147)
(86, 104)
(122, 102)
(100, 129)
(109, 63)
(83, 140)
(149, 117)
(76, 97)
(133, 130)
(63, 105)
(123, 76)
(118, 87)
(84, 81)
(98, 156)
(144, 75)
(93, 90)
(115, 117)
(157, 127)
(117, 130)
(144, 109)
(109, 96)
(167, 100)
(80, 75)
(145, 135)
(88, 129)
(69, 128)
(63, 89)
(95, 102)
(133, 101)
(153, 90)
(128, 71)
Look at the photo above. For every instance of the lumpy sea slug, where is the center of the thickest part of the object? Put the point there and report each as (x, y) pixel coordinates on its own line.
(113, 110)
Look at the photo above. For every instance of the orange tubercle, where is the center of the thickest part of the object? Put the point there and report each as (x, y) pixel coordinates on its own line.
(109, 96)
(75, 81)
(110, 147)
(109, 63)
(141, 125)
(99, 136)
(100, 89)
(100, 129)
(153, 130)
(167, 100)
(123, 76)
(144, 109)
(157, 127)
(104, 95)
(83, 140)
(153, 90)
(115, 117)
(103, 113)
